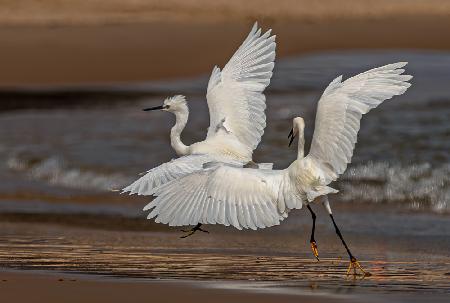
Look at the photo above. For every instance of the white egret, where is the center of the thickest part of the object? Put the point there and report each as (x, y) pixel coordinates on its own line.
(221, 193)
(236, 107)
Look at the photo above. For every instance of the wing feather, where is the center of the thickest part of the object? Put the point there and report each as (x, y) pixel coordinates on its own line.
(221, 194)
(236, 93)
(340, 110)
(247, 213)
(166, 172)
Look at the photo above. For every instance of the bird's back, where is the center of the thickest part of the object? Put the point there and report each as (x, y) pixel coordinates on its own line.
(224, 147)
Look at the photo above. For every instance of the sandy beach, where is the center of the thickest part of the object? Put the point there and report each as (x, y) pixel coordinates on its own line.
(149, 40)
(54, 12)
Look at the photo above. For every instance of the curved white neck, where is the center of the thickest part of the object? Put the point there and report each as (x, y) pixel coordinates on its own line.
(301, 145)
(175, 133)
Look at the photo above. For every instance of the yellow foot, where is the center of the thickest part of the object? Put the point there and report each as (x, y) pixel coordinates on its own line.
(355, 266)
(315, 250)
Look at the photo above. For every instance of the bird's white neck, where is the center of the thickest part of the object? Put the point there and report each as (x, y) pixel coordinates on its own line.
(299, 129)
(301, 145)
(175, 133)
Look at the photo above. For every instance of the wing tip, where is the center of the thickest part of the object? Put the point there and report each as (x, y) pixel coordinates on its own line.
(396, 65)
(255, 26)
(256, 31)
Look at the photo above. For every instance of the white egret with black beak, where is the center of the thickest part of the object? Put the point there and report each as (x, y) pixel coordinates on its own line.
(256, 198)
(236, 108)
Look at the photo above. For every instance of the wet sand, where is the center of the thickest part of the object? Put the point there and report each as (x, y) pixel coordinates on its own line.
(227, 263)
(57, 287)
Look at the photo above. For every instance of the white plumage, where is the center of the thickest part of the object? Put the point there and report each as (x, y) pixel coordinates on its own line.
(236, 107)
(340, 110)
(226, 194)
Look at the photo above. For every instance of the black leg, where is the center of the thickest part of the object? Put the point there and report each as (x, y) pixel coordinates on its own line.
(312, 240)
(338, 232)
(192, 231)
(354, 264)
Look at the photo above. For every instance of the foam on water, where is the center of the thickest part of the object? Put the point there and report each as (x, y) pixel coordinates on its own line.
(418, 186)
(55, 171)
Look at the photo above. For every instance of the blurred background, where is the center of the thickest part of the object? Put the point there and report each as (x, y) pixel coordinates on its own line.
(74, 76)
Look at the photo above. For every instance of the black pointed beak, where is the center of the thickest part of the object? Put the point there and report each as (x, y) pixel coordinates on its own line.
(291, 133)
(292, 136)
(153, 108)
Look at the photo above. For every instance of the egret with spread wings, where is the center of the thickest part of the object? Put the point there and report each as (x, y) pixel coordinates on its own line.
(225, 194)
(236, 107)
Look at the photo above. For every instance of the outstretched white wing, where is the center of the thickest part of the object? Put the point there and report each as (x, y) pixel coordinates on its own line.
(166, 172)
(340, 110)
(235, 94)
(221, 194)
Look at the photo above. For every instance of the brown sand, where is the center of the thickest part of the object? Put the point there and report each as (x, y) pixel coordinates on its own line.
(91, 42)
(51, 12)
(142, 52)
(75, 288)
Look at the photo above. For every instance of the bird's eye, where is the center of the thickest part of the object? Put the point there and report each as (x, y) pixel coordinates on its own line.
(166, 106)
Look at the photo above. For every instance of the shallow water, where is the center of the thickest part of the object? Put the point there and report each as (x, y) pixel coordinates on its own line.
(70, 154)
(403, 261)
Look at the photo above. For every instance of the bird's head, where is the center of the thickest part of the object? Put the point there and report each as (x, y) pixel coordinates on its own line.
(171, 104)
(298, 125)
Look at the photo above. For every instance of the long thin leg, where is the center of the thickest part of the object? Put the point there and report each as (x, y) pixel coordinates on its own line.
(312, 240)
(354, 264)
(192, 231)
(338, 232)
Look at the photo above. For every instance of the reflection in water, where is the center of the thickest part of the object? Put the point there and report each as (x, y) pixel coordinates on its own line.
(65, 254)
